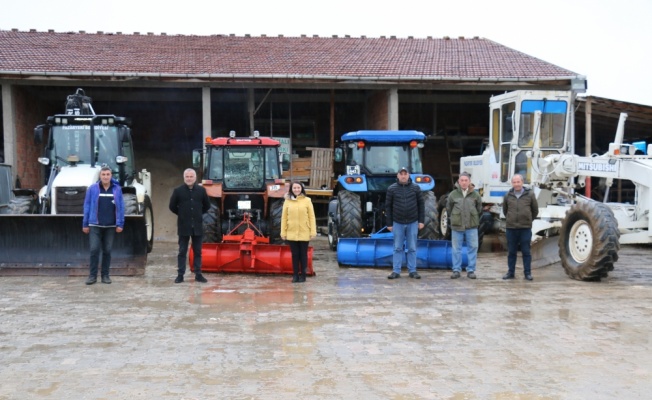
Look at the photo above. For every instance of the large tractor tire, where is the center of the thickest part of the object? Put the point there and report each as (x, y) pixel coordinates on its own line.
(430, 229)
(131, 203)
(22, 205)
(486, 225)
(275, 220)
(333, 236)
(212, 225)
(588, 241)
(148, 212)
(349, 214)
(444, 219)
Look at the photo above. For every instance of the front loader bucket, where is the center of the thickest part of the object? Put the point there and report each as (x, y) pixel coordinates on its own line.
(249, 258)
(55, 245)
(379, 252)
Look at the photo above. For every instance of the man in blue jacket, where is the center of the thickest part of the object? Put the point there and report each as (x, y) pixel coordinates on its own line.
(405, 213)
(104, 215)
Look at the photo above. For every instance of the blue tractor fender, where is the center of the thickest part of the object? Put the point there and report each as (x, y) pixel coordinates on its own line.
(359, 183)
(425, 182)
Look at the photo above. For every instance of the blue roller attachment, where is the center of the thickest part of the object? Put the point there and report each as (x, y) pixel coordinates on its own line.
(378, 251)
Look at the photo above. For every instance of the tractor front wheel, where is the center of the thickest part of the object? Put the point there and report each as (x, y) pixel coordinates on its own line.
(349, 214)
(22, 205)
(212, 225)
(130, 203)
(588, 241)
(332, 234)
(275, 220)
(431, 220)
(149, 221)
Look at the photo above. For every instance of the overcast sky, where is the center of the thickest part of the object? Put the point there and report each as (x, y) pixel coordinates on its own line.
(608, 41)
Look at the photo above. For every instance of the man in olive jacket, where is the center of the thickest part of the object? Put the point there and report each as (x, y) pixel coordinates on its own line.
(520, 208)
(405, 214)
(189, 202)
(464, 207)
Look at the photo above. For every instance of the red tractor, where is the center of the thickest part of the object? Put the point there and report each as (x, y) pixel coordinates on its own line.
(242, 229)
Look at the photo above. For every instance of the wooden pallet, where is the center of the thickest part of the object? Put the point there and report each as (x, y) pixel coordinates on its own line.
(321, 167)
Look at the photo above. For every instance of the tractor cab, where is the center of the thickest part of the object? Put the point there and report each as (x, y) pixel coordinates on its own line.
(242, 164)
(242, 177)
(373, 158)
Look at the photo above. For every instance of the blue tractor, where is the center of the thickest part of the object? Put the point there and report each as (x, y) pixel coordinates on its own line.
(372, 160)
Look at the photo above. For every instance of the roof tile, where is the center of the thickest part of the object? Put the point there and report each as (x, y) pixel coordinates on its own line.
(466, 59)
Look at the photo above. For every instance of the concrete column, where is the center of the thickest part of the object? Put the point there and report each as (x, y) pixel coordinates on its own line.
(251, 109)
(392, 109)
(9, 127)
(206, 113)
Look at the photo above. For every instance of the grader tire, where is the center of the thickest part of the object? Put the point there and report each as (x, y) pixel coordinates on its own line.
(349, 214)
(588, 241)
(430, 229)
(444, 229)
(212, 225)
(275, 221)
(22, 205)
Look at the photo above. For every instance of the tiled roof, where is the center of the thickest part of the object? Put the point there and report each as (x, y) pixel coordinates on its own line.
(312, 58)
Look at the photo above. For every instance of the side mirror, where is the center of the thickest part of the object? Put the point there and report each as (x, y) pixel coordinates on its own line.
(338, 154)
(196, 158)
(38, 134)
(124, 133)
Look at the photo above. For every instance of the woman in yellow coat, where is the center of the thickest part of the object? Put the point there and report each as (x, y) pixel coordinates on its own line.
(298, 226)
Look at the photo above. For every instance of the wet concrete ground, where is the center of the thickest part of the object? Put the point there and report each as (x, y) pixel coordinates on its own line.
(344, 334)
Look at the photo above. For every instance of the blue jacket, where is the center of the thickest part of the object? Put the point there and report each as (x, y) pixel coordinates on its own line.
(91, 201)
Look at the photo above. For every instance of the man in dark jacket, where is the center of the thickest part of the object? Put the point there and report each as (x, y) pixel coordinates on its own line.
(189, 202)
(405, 215)
(464, 207)
(520, 208)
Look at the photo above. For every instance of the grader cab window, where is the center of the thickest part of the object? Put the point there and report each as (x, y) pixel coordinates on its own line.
(553, 120)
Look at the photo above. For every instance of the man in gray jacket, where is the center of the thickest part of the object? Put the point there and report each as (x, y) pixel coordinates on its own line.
(464, 207)
(520, 208)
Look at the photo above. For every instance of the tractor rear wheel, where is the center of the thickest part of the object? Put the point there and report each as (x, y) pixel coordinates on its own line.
(430, 229)
(212, 225)
(588, 241)
(349, 213)
(275, 220)
(149, 221)
(22, 205)
(444, 229)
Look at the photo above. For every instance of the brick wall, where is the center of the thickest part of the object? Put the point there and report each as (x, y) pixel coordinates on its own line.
(377, 111)
(28, 112)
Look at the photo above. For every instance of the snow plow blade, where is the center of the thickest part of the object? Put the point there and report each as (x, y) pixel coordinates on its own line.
(249, 258)
(379, 252)
(55, 245)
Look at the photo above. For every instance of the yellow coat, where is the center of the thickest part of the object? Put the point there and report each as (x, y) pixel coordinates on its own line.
(298, 219)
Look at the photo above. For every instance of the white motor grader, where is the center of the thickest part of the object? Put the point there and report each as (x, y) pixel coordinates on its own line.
(532, 134)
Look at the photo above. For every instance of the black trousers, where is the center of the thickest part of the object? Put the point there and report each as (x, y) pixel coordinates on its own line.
(299, 251)
(183, 251)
